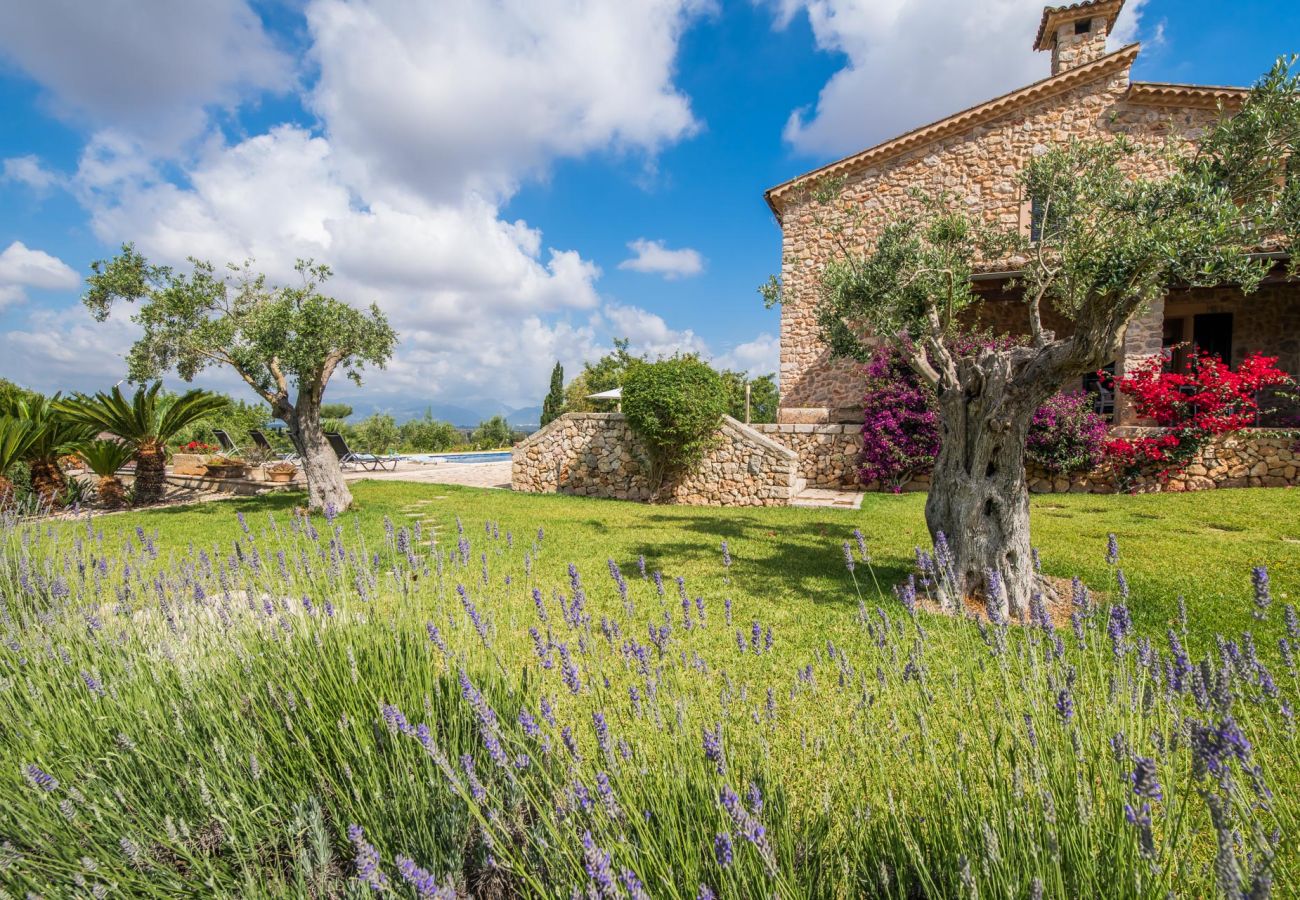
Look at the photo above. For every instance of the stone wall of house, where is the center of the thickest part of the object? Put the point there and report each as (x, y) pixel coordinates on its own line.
(598, 455)
(978, 167)
(828, 458)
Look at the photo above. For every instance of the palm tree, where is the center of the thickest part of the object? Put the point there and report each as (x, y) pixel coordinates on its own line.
(15, 437)
(147, 422)
(53, 434)
(104, 457)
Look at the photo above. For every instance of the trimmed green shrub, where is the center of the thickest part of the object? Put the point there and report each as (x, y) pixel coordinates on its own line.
(675, 405)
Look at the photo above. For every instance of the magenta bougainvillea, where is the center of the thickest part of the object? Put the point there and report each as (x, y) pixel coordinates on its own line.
(901, 428)
(1065, 435)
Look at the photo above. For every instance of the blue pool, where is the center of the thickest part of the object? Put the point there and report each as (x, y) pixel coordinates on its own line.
(503, 456)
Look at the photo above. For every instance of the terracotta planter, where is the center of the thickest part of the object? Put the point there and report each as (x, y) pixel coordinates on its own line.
(281, 477)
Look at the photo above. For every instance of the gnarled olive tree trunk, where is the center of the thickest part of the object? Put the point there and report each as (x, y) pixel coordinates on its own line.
(979, 499)
(326, 487)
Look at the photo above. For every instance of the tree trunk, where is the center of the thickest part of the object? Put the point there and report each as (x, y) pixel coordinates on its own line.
(48, 482)
(110, 492)
(326, 488)
(150, 473)
(978, 498)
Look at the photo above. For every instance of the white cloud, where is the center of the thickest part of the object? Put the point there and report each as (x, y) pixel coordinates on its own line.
(146, 68)
(912, 62)
(430, 120)
(30, 171)
(761, 356)
(654, 258)
(466, 290)
(649, 334)
(22, 267)
(465, 95)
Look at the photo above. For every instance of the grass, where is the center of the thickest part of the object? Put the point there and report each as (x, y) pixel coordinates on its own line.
(1198, 546)
(210, 732)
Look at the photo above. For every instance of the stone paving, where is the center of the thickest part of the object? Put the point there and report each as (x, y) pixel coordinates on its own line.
(484, 475)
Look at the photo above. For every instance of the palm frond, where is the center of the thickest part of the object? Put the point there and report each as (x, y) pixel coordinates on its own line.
(105, 456)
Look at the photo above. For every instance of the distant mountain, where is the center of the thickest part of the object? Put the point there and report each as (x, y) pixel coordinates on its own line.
(528, 416)
(466, 415)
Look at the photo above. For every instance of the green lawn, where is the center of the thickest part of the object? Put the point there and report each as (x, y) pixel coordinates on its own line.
(195, 703)
(1200, 546)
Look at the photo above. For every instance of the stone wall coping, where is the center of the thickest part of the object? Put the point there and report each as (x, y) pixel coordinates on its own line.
(754, 436)
(799, 428)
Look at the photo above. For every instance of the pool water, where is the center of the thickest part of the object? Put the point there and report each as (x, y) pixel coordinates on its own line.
(503, 456)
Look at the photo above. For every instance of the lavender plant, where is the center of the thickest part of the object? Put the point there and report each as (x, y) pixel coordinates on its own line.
(304, 712)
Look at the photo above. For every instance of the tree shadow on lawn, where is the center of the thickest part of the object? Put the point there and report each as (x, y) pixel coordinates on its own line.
(797, 557)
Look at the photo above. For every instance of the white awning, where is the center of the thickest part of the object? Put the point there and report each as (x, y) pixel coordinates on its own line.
(615, 394)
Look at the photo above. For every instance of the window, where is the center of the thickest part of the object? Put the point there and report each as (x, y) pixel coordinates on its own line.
(1083, 26)
(1035, 220)
(1212, 333)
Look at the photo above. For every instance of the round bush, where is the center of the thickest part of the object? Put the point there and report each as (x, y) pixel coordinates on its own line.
(675, 405)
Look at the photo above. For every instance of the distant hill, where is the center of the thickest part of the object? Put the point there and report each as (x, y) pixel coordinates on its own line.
(466, 415)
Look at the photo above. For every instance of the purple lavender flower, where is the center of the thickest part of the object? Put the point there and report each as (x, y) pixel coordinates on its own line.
(1119, 627)
(366, 860)
(722, 849)
(1213, 747)
(726, 555)
(597, 863)
(1121, 581)
(476, 789)
(1263, 595)
(1112, 549)
(40, 778)
(1064, 705)
(713, 747)
(602, 731)
(705, 893)
(659, 582)
(862, 545)
(1145, 779)
(848, 557)
(435, 637)
(570, 743)
(632, 884)
(423, 882)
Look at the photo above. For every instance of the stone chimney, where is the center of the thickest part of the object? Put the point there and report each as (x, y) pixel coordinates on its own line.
(1076, 34)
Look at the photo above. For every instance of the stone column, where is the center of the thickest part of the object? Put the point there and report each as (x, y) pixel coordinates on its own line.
(1144, 339)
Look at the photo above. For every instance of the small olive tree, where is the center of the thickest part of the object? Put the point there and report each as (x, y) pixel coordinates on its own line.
(675, 405)
(285, 342)
(1111, 242)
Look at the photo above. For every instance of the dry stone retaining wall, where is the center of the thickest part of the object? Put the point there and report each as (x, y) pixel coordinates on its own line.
(828, 458)
(598, 455)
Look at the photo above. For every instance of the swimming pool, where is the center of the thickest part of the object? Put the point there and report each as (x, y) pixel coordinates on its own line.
(503, 456)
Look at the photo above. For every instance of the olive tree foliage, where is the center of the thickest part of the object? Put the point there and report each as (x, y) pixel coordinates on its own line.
(1109, 243)
(285, 342)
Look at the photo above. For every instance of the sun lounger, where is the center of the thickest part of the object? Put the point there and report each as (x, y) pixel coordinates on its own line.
(367, 461)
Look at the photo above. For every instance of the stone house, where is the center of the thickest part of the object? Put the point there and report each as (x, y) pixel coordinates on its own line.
(975, 155)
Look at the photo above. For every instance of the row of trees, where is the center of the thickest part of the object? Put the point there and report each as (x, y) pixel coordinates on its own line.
(613, 369)
(381, 433)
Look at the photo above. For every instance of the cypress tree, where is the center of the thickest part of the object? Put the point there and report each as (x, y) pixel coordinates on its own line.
(553, 405)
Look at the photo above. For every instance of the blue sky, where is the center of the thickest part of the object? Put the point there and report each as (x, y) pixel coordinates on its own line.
(513, 182)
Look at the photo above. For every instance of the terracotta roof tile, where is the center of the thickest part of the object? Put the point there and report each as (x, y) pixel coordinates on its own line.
(1155, 93)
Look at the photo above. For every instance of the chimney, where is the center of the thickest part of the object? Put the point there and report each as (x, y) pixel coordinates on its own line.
(1077, 34)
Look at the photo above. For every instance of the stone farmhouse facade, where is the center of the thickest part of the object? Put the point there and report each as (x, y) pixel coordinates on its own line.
(975, 156)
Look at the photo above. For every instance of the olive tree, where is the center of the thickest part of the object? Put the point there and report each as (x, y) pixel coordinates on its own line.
(1109, 242)
(285, 342)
